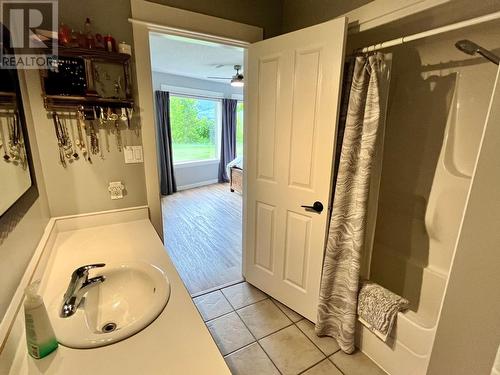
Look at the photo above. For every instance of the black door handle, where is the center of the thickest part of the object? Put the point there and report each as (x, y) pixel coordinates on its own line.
(317, 206)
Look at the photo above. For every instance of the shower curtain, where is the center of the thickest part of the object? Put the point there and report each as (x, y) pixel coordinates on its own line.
(341, 268)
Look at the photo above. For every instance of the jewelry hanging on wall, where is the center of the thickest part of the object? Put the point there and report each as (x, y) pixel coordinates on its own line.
(130, 113)
(94, 141)
(5, 145)
(59, 137)
(14, 130)
(102, 119)
(124, 116)
(19, 141)
(72, 135)
(95, 135)
(80, 124)
(118, 136)
(66, 141)
(101, 154)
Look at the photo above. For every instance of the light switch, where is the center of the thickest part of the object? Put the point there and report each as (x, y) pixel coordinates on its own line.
(128, 153)
(138, 154)
(133, 154)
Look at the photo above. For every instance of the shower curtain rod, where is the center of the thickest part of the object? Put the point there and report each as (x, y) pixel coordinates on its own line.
(436, 31)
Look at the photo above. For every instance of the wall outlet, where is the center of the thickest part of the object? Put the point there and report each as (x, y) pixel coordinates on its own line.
(116, 189)
(133, 154)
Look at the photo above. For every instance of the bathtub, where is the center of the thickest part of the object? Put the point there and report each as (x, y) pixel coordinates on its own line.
(413, 259)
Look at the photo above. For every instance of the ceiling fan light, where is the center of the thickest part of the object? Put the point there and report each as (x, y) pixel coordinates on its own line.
(236, 82)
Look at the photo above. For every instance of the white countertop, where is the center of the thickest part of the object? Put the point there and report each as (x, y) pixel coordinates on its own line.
(177, 342)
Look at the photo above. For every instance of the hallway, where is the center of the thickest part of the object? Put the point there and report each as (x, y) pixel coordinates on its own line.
(202, 230)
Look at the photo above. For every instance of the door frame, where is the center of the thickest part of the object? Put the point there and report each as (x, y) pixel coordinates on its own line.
(152, 17)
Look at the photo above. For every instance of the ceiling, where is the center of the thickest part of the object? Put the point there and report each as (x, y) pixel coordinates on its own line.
(193, 58)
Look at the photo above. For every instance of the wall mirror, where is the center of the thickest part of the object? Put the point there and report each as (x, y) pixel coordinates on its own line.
(16, 169)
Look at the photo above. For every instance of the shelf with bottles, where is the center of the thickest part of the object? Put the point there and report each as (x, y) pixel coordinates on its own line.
(95, 54)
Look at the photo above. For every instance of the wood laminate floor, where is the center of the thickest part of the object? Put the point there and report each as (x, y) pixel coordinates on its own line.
(202, 229)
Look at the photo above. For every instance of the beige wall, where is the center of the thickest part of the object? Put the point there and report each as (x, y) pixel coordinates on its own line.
(22, 227)
(82, 186)
(468, 333)
(298, 14)
(262, 13)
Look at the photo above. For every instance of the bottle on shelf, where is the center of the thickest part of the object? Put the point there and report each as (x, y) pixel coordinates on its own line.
(64, 34)
(90, 41)
(74, 39)
(109, 43)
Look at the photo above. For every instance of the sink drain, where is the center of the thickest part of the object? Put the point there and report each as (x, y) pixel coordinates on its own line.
(109, 327)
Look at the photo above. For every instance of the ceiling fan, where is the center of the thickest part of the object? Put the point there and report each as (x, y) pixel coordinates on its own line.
(236, 80)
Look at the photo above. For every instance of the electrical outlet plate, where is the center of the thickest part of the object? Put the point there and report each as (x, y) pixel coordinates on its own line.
(128, 154)
(133, 154)
(116, 189)
(138, 154)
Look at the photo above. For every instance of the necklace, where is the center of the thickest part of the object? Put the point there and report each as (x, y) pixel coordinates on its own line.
(57, 130)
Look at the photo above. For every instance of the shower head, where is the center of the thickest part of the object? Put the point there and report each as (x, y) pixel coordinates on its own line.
(472, 48)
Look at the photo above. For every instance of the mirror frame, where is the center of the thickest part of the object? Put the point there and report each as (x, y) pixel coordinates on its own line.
(24, 202)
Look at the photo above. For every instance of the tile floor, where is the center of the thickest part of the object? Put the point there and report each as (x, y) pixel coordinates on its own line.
(258, 335)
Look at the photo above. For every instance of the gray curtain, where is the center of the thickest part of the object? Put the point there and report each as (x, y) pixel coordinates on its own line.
(228, 138)
(341, 268)
(164, 132)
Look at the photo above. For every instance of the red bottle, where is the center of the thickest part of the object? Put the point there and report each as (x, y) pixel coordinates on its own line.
(109, 43)
(64, 35)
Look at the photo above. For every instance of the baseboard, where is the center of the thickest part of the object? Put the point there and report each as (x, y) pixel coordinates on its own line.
(198, 184)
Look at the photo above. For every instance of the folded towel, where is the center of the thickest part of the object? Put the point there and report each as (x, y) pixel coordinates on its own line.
(378, 308)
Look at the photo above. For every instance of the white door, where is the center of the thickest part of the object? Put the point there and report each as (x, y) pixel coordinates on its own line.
(293, 85)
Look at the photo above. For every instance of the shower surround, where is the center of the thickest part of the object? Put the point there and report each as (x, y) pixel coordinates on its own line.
(435, 119)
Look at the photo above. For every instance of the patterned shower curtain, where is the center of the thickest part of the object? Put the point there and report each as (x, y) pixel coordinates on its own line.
(341, 269)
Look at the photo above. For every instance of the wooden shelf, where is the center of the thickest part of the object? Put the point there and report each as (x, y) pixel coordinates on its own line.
(4, 94)
(7, 98)
(91, 57)
(95, 54)
(53, 102)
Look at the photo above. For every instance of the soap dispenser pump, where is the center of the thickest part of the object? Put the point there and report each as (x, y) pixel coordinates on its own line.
(40, 336)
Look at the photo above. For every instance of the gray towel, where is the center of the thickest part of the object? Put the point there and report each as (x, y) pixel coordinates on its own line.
(378, 308)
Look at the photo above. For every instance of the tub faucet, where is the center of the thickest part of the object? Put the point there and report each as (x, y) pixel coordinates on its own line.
(78, 286)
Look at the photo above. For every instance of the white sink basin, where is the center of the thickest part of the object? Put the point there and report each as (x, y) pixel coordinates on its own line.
(131, 297)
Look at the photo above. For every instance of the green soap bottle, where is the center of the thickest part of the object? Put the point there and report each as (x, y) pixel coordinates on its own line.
(40, 336)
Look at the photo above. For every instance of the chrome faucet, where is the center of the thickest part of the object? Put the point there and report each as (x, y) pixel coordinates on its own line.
(78, 286)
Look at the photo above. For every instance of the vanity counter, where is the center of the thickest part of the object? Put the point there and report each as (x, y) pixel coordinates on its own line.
(177, 342)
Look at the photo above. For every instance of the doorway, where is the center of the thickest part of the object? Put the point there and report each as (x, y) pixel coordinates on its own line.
(201, 84)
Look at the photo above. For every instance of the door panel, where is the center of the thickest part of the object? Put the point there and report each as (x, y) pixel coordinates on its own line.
(268, 98)
(297, 247)
(264, 237)
(292, 90)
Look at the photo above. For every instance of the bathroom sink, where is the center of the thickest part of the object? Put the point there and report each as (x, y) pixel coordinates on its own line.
(131, 297)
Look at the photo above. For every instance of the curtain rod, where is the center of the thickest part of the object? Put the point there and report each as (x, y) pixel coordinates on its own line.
(436, 31)
(196, 96)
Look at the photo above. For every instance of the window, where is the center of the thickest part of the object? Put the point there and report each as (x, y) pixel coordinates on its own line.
(194, 124)
(239, 129)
